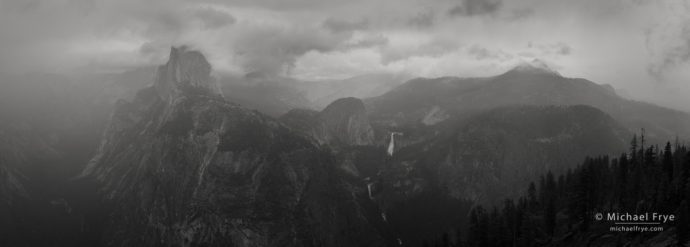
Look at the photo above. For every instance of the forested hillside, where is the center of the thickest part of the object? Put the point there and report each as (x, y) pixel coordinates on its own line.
(561, 210)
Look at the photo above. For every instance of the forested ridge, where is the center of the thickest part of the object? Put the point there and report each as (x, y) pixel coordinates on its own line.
(560, 209)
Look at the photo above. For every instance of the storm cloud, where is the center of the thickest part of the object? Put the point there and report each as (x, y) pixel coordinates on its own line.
(213, 18)
(629, 44)
(475, 7)
(669, 46)
(274, 50)
(337, 25)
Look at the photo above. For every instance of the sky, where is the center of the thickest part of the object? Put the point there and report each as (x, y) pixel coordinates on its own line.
(640, 47)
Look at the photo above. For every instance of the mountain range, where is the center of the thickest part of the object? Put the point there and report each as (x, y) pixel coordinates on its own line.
(189, 159)
(430, 101)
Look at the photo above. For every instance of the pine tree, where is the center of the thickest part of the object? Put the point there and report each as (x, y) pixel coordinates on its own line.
(494, 228)
(622, 180)
(550, 217)
(527, 231)
(646, 179)
(633, 148)
(532, 196)
(668, 161)
(550, 201)
(509, 217)
(584, 195)
(458, 237)
(683, 225)
(484, 229)
(476, 231)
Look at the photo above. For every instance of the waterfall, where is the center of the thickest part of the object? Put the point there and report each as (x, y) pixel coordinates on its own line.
(391, 144)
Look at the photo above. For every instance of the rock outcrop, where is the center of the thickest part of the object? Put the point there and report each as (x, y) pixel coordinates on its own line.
(183, 167)
(345, 122)
(342, 123)
(187, 72)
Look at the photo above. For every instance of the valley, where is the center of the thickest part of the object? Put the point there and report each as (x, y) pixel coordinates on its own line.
(179, 160)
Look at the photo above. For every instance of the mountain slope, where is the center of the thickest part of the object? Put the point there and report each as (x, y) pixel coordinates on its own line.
(270, 95)
(489, 155)
(184, 167)
(417, 99)
(323, 93)
(342, 123)
(276, 95)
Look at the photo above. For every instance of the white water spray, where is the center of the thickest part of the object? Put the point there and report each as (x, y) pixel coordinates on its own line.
(391, 144)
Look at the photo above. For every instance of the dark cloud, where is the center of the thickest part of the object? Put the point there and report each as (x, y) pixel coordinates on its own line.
(213, 18)
(271, 35)
(368, 42)
(476, 7)
(164, 24)
(337, 25)
(423, 19)
(274, 50)
(668, 57)
(287, 4)
(519, 14)
(433, 48)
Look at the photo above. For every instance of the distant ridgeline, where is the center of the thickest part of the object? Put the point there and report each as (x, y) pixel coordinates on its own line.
(571, 209)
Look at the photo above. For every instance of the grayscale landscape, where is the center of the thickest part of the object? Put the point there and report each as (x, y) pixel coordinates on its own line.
(440, 123)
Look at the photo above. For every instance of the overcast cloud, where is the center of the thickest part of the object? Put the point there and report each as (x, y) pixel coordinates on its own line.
(640, 47)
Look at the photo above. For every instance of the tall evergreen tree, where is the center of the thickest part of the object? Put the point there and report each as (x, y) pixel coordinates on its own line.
(549, 203)
(478, 227)
(531, 196)
(445, 241)
(622, 180)
(633, 148)
(683, 225)
(668, 161)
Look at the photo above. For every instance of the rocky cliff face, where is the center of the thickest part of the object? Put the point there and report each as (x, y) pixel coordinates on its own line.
(187, 72)
(455, 160)
(478, 160)
(345, 122)
(183, 167)
(342, 123)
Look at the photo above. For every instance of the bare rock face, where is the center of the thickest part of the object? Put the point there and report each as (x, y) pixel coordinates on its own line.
(342, 123)
(345, 121)
(183, 167)
(188, 72)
